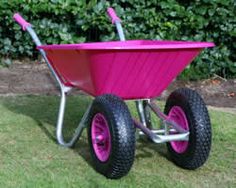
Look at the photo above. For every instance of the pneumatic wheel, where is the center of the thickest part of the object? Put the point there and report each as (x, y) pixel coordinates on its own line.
(187, 109)
(111, 136)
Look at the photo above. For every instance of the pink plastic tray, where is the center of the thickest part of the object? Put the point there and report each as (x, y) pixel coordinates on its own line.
(130, 69)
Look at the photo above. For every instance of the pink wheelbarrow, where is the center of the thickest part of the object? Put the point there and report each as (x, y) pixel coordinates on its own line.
(138, 70)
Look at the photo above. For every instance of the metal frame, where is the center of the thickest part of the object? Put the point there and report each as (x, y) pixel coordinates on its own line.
(64, 90)
(171, 131)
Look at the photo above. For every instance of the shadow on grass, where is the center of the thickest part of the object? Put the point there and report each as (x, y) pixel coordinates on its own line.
(46, 131)
(44, 111)
(147, 149)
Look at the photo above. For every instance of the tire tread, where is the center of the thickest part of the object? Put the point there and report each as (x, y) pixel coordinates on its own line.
(200, 135)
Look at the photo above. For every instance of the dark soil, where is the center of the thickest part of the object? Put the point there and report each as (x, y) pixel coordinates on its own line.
(35, 78)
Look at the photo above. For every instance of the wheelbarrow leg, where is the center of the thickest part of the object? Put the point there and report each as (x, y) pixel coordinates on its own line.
(60, 119)
(144, 112)
(140, 109)
(64, 90)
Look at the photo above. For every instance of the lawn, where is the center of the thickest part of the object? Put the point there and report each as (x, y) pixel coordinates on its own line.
(30, 157)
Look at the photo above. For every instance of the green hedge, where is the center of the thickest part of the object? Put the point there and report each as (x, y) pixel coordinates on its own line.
(73, 21)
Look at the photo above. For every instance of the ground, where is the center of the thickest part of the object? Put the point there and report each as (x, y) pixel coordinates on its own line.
(34, 78)
(30, 158)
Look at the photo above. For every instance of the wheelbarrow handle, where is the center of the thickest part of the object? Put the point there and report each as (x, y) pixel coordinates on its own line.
(112, 14)
(21, 21)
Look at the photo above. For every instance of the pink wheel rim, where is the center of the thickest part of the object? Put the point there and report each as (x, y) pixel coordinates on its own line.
(101, 138)
(177, 115)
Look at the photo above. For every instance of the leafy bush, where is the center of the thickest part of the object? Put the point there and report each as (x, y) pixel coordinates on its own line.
(73, 21)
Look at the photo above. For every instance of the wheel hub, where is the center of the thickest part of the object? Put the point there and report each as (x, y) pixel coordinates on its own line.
(177, 115)
(101, 138)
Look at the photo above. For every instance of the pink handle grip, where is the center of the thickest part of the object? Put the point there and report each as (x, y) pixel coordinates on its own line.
(112, 14)
(21, 21)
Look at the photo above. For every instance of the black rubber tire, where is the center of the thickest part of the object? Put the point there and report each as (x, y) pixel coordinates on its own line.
(196, 113)
(122, 132)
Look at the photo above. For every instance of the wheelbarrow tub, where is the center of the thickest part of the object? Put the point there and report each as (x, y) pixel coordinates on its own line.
(134, 69)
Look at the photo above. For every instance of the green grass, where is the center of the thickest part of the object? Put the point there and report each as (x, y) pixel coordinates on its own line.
(30, 157)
